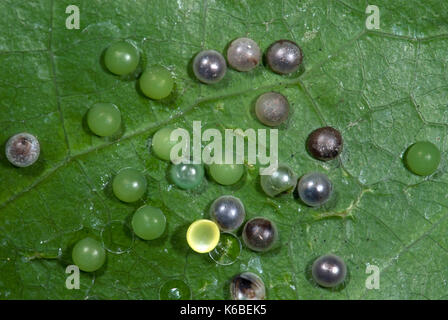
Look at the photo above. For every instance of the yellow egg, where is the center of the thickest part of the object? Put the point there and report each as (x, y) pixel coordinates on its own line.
(203, 235)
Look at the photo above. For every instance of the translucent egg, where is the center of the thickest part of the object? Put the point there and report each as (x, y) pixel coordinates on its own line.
(283, 179)
(186, 175)
(22, 149)
(247, 286)
(88, 254)
(272, 109)
(227, 251)
(243, 54)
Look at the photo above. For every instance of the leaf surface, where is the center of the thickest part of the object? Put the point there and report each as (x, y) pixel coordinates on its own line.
(383, 89)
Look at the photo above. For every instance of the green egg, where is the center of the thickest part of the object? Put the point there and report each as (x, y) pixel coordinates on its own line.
(121, 58)
(88, 254)
(423, 158)
(104, 119)
(148, 222)
(129, 185)
(226, 174)
(156, 82)
(161, 143)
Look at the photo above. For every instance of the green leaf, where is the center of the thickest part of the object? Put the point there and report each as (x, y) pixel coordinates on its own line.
(384, 89)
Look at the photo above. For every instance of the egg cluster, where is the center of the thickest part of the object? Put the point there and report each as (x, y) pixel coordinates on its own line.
(217, 235)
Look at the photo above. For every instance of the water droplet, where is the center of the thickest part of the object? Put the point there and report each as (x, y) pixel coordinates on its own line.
(255, 263)
(175, 290)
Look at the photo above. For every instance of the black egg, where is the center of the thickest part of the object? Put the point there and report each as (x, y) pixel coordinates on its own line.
(247, 286)
(228, 213)
(284, 56)
(209, 66)
(324, 143)
(260, 234)
(329, 271)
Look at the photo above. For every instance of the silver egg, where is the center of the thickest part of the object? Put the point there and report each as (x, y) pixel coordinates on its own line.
(22, 149)
(247, 286)
(284, 56)
(272, 108)
(228, 213)
(243, 54)
(315, 189)
(329, 271)
(283, 179)
(209, 66)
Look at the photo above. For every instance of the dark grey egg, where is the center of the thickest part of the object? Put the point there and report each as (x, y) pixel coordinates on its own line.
(324, 143)
(284, 56)
(260, 234)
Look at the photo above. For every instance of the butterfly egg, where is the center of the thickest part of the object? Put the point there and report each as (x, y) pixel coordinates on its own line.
(329, 271)
(243, 54)
(209, 66)
(281, 180)
(272, 109)
(260, 234)
(324, 143)
(247, 286)
(22, 149)
(203, 235)
(121, 58)
(315, 189)
(284, 56)
(228, 212)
